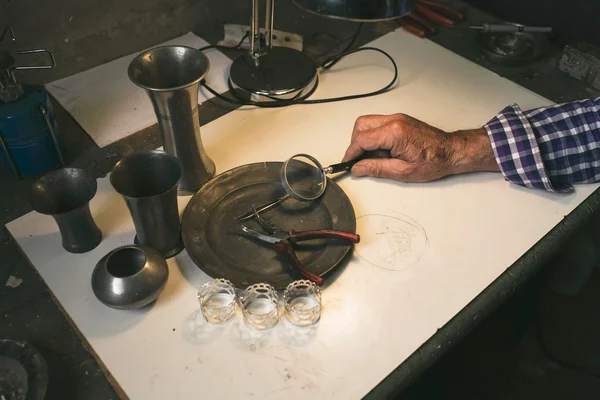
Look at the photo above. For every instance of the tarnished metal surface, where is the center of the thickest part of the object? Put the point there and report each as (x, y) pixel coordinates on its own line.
(65, 195)
(171, 75)
(130, 277)
(220, 248)
(147, 180)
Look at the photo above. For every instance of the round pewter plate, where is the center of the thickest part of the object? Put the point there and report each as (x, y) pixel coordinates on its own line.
(218, 246)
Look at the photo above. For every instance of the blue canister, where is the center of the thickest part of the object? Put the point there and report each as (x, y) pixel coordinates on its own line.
(25, 129)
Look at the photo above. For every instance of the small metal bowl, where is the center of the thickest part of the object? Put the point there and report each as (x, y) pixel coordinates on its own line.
(130, 277)
(512, 49)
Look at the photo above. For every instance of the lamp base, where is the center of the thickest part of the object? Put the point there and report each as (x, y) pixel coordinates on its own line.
(281, 74)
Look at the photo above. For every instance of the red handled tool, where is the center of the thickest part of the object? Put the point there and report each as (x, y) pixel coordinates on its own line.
(284, 242)
(444, 9)
(433, 15)
(417, 22)
(409, 27)
(414, 17)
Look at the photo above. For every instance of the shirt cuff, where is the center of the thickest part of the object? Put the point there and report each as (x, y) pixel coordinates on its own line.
(517, 152)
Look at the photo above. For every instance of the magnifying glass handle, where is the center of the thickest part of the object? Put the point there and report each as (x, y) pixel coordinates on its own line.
(341, 167)
(347, 166)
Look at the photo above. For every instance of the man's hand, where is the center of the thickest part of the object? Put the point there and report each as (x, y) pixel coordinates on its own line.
(419, 152)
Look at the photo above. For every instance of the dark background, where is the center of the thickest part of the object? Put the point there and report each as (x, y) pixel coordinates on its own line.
(86, 33)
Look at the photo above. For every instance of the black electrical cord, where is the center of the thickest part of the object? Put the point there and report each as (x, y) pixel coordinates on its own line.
(303, 100)
(350, 44)
(327, 64)
(220, 47)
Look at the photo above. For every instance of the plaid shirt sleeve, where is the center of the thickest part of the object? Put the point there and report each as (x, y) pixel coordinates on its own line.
(548, 148)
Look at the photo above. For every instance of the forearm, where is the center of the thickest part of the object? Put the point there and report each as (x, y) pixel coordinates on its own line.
(471, 151)
(547, 148)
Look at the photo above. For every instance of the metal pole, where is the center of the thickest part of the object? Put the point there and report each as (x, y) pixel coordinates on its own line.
(269, 21)
(254, 27)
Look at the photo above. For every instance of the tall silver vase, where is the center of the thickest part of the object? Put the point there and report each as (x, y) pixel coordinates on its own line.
(171, 76)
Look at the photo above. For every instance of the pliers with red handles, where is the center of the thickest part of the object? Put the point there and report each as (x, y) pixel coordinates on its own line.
(284, 242)
(418, 22)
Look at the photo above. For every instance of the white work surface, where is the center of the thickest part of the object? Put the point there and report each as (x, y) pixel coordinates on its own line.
(374, 317)
(109, 107)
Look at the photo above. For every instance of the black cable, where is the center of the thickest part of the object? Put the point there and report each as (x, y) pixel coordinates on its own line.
(352, 41)
(303, 99)
(220, 47)
(325, 66)
(357, 96)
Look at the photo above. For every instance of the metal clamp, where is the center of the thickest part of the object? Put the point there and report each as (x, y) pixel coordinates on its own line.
(10, 70)
(10, 89)
(25, 67)
(51, 65)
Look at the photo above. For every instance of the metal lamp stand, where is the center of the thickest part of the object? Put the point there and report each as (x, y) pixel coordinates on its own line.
(271, 73)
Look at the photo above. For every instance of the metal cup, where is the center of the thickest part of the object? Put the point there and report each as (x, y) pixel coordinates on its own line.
(65, 195)
(171, 76)
(147, 180)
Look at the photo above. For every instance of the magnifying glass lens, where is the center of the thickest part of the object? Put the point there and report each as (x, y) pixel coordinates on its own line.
(304, 177)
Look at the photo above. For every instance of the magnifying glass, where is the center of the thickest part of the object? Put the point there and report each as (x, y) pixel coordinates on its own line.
(304, 179)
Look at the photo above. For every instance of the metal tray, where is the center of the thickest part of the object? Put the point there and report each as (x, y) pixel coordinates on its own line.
(217, 245)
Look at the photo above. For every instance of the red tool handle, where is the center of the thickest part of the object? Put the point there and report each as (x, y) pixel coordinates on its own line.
(433, 15)
(411, 28)
(323, 234)
(287, 247)
(451, 12)
(421, 21)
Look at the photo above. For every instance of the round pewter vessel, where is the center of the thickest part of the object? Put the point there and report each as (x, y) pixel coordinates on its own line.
(130, 277)
(65, 195)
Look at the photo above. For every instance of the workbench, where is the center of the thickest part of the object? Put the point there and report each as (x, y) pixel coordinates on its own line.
(374, 319)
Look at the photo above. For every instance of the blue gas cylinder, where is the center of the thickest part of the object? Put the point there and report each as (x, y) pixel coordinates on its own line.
(32, 149)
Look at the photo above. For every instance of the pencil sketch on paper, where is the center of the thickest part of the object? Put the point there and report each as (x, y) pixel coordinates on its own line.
(393, 243)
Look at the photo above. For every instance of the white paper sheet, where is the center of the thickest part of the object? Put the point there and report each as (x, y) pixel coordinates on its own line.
(390, 298)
